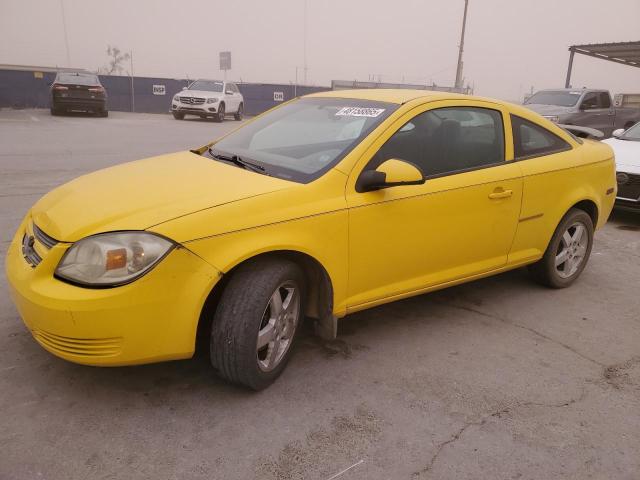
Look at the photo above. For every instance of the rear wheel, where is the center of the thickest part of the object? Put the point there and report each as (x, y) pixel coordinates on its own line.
(178, 116)
(256, 322)
(567, 253)
(221, 113)
(239, 113)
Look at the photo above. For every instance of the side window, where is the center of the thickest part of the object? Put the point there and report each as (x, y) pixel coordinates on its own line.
(531, 140)
(605, 100)
(447, 140)
(590, 101)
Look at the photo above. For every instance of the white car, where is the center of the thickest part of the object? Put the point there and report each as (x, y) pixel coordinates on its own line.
(626, 146)
(208, 98)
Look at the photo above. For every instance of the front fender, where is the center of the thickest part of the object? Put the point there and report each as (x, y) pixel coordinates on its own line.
(323, 237)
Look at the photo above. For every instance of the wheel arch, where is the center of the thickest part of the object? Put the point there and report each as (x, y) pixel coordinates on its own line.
(588, 206)
(319, 295)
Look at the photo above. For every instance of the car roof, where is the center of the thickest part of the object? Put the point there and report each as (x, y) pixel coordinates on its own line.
(397, 95)
(573, 90)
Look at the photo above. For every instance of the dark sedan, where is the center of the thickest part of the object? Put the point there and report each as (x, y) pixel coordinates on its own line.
(78, 92)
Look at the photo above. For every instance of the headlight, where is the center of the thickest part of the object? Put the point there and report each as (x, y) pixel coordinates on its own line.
(212, 100)
(112, 259)
(553, 118)
(176, 99)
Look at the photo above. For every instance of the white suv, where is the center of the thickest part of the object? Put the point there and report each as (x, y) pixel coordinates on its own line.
(208, 98)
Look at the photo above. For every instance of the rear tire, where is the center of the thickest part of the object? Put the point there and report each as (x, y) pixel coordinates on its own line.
(238, 115)
(568, 251)
(221, 112)
(256, 322)
(178, 116)
(104, 113)
(55, 112)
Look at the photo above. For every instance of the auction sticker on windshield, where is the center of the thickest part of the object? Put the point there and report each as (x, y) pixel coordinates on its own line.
(359, 112)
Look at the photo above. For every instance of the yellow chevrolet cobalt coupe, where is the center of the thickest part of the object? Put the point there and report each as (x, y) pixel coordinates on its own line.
(324, 206)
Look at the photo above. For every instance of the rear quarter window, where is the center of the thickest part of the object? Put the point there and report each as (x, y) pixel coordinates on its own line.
(532, 140)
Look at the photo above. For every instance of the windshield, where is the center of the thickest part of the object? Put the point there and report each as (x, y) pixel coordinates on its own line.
(77, 79)
(303, 139)
(632, 134)
(206, 85)
(559, 98)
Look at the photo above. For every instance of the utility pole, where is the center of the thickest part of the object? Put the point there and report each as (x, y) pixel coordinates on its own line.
(133, 94)
(304, 45)
(64, 28)
(458, 84)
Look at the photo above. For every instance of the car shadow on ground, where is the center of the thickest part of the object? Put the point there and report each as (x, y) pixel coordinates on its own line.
(626, 220)
(77, 114)
(165, 383)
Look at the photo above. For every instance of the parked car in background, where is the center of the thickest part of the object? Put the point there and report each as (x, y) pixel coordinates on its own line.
(626, 145)
(327, 205)
(584, 107)
(78, 91)
(208, 98)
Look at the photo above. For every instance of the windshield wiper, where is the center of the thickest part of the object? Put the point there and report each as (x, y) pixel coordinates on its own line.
(236, 160)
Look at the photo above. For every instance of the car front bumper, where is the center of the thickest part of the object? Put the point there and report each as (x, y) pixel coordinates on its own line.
(204, 109)
(152, 319)
(628, 196)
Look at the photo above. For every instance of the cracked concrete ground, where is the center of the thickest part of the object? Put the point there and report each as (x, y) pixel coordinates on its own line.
(496, 379)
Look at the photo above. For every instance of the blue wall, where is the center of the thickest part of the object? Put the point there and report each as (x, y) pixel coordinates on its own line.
(21, 89)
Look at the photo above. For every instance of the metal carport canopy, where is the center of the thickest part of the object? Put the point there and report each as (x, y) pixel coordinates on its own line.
(626, 53)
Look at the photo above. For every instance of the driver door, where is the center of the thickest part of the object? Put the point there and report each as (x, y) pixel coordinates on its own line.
(460, 223)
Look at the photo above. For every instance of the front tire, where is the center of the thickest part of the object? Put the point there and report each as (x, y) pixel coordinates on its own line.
(178, 116)
(221, 113)
(238, 115)
(256, 322)
(568, 251)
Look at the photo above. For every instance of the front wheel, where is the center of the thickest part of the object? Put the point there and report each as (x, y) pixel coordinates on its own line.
(221, 113)
(256, 322)
(238, 115)
(178, 116)
(567, 253)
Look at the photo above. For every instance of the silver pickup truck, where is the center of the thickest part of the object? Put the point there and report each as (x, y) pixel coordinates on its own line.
(584, 107)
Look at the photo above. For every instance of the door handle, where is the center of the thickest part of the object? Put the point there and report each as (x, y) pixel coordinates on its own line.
(497, 194)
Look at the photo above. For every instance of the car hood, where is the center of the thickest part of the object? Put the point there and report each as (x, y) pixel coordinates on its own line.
(199, 93)
(144, 193)
(548, 109)
(627, 154)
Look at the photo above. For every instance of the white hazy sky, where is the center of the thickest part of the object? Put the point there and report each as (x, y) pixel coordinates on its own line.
(511, 45)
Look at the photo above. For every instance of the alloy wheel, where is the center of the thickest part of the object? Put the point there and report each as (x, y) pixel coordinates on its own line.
(572, 250)
(278, 326)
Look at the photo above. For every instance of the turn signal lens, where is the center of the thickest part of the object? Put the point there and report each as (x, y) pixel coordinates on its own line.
(116, 258)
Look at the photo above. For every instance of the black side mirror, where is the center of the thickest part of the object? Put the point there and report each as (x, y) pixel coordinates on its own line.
(390, 173)
(370, 180)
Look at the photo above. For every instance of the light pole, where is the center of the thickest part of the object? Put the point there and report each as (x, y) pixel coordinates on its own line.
(458, 84)
(304, 44)
(133, 93)
(64, 28)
